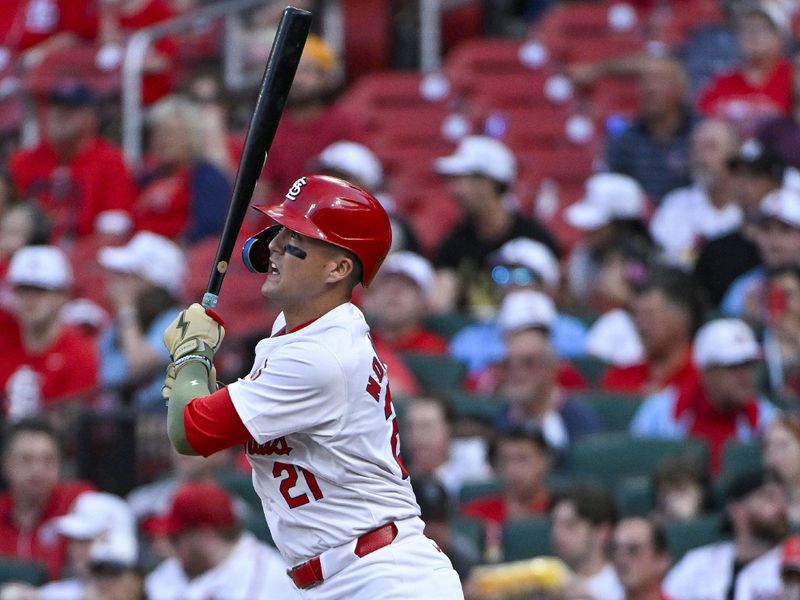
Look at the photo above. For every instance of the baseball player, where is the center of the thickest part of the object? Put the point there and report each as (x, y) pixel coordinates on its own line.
(315, 413)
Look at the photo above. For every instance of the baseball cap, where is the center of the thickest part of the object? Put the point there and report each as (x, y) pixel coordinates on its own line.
(411, 265)
(72, 93)
(45, 267)
(531, 254)
(790, 554)
(114, 549)
(760, 158)
(526, 309)
(480, 155)
(197, 504)
(609, 196)
(94, 513)
(745, 483)
(725, 342)
(777, 16)
(783, 205)
(153, 257)
(353, 161)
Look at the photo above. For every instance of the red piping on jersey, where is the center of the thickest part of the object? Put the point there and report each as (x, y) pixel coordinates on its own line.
(298, 328)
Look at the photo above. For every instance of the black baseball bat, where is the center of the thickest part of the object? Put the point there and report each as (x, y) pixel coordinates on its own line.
(278, 76)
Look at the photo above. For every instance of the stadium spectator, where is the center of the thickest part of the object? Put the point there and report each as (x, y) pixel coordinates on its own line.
(35, 495)
(21, 224)
(757, 171)
(583, 518)
(790, 568)
(119, 19)
(312, 120)
(432, 451)
(654, 148)
(80, 179)
(206, 91)
(690, 216)
(748, 566)
(48, 365)
(783, 132)
(213, 557)
(528, 379)
(681, 488)
(396, 303)
(355, 162)
(780, 315)
(522, 460)
(144, 283)
(114, 570)
(480, 173)
(666, 310)
(616, 246)
(34, 28)
(777, 237)
(781, 455)
(761, 87)
(182, 196)
(436, 509)
(519, 264)
(720, 404)
(641, 558)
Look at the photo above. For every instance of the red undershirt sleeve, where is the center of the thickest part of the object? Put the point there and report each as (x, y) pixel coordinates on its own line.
(211, 424)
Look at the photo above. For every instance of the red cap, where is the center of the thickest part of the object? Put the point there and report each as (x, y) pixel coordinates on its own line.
(790, 557)
(198, 504)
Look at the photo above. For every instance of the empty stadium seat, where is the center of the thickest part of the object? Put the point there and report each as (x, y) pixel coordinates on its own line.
(476, 406)
(738, 457)
(472, 529)
(448, 324)
(683, 536)
(616, 411)
(634, 496)
(25, 571)
(526, 538)
(471, 491)
(79, 62)
(435, 372)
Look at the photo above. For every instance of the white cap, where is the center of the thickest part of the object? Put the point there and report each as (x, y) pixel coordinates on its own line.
(413, 266)
(116, 548)
(153, 257)
(609, 196)
(94, 513)
(45, 267)
(480, 155)
(532, 254)
(782, 204)
(613, 338)
(725, 342)
(525, 309)
(353, 160)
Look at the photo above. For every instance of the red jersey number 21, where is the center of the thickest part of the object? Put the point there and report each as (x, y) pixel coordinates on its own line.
(279, 468)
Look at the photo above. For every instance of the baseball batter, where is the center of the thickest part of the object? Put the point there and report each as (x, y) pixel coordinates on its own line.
(315, 413)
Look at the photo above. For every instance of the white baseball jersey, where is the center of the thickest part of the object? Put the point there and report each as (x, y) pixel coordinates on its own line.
(252, 571)
(325, 454)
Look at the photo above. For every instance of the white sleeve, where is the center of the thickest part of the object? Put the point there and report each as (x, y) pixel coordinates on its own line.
(302, 387)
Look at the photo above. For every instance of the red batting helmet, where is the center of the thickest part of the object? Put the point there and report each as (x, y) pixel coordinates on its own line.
(337, 212)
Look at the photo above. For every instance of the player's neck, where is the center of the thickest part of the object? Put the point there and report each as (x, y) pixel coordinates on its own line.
(312, 309)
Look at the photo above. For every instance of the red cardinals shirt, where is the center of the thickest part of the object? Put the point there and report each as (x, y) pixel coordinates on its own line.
(40, 542)
(639, 379)
(163, 205)
(25, 23)
(494, 509)
(66, 370)
(734, 98)
(95, 180)
(417, 340)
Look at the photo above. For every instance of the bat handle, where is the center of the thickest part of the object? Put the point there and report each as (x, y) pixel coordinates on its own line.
(209, 300)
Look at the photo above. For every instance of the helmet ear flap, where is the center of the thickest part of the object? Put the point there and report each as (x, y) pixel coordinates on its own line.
(255, 252)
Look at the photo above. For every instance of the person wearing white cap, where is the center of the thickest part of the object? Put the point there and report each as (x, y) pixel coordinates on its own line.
(722, 404)
(613, 215)
(528, 377)
(519, 264)
(114, 569)
(481, 171)
(777, 237)
(355, 162)
(144, 284)
(45, 361)
(689, 216)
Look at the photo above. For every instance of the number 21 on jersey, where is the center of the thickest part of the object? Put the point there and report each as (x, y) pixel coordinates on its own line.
(374, 390)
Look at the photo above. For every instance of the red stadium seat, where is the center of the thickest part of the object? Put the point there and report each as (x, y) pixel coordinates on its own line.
(389, 89)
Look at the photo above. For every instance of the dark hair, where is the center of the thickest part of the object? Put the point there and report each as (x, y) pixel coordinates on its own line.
(151, 303)
(30, 425)
(40, 230)
(434, 503)
(680, 289)
(358, 269)
(682, 466)
(529, 432)
(592, 502)
(447, 410)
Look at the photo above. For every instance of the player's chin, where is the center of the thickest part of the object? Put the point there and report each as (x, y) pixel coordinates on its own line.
(270, 286)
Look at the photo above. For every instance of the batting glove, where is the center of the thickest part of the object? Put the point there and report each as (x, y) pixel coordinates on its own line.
(194, 335)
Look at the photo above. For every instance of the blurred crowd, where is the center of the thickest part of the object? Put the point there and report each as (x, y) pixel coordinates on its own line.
(595, 363)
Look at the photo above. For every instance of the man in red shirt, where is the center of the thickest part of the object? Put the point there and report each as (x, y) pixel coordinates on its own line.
(311, 121)
(80, 179)
(45, 362)
(666, 310)
(761, 88)
(35, 496)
